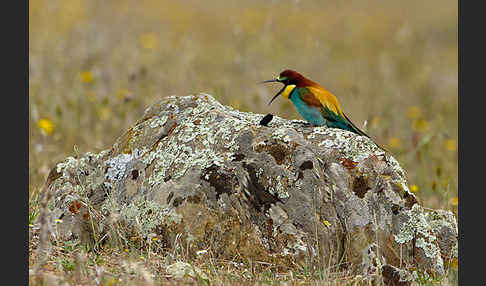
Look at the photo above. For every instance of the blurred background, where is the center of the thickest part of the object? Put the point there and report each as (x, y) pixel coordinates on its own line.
(95, 66)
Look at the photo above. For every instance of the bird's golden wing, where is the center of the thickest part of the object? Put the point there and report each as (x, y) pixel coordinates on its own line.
(331, 109)
(327, 99)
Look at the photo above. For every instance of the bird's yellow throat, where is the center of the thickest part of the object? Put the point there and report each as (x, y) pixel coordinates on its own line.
(288, 90)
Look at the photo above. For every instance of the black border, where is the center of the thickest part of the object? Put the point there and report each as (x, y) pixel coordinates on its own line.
(15, 135)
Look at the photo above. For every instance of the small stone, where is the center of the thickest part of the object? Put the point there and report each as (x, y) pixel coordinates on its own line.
(180, 270)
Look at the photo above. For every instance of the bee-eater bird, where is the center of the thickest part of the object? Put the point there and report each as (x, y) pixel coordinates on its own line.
(315, 104)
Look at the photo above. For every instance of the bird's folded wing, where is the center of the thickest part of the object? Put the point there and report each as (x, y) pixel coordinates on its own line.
(323, 99)
(329, 106)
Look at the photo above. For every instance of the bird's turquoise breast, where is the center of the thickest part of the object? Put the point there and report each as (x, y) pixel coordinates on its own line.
(310, 113)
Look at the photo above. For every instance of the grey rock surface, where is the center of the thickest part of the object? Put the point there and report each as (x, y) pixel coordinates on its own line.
(212, 176)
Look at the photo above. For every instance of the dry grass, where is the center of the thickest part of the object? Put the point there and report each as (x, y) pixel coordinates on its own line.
(94, 67)
(73, 264)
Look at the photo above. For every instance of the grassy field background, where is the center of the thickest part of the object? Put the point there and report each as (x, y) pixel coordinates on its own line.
(95, 66)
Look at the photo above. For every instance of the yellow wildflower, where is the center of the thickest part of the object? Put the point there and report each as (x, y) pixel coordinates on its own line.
(236, 104)
(149, 41)
(91, 96)
(376, 121)
(87, 77)
(126, 249)
(199, 252)
(394, 142)
(123, 93)
(104, 113)
(414, 188)
(454, 201)
(450, 145)
(414, 112)
(46, 126)
(454, 263)
(420, 125)
(326, 223)
(112, 281)
(155, 238)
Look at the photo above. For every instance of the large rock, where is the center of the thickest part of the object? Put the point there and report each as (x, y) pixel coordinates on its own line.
(213, 177)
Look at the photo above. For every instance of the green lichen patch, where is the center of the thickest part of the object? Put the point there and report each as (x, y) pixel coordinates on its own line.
(141, 216)
(418, 229)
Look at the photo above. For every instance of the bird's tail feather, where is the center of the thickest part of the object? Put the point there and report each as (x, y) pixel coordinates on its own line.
(360, 132)
(355, 129)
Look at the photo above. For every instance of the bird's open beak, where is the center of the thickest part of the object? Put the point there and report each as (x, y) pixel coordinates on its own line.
(276, 95)
(270, 80)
